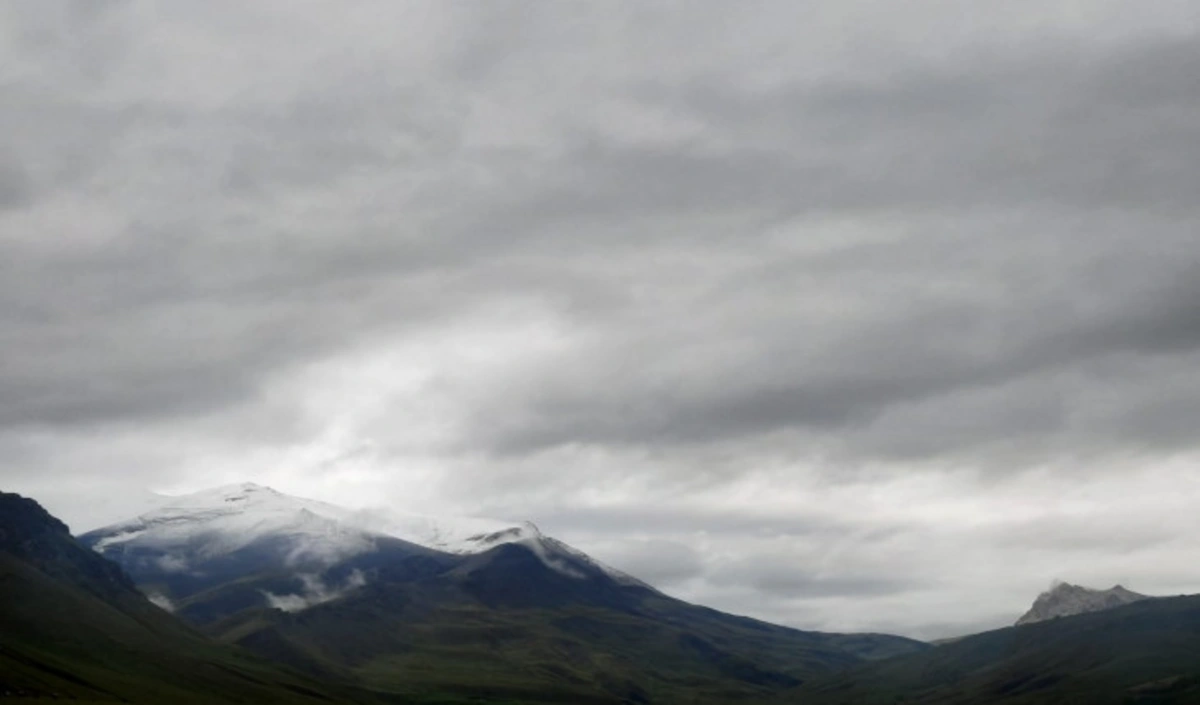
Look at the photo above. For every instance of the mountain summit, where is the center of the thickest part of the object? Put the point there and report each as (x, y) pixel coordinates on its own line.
(451, 609)
(1064, 600)
(207, 536)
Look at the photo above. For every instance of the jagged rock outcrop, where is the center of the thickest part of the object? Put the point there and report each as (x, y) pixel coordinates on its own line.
(1065, 599)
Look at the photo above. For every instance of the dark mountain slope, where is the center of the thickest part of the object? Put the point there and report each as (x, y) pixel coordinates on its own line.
(30, 534)
(1146, 652)
(73, 626)
(504, 624)
(515, 614)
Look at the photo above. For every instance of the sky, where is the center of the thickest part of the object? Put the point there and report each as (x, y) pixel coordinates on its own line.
(847, 315)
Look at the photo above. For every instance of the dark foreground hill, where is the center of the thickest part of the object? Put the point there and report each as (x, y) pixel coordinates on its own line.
(72, 626)
(1147, 652)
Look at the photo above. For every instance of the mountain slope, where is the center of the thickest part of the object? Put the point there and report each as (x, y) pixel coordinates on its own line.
(73, 626)
(509, 613)
(1064, 600)
(527, 629)
(506, 624)
(1145, 652)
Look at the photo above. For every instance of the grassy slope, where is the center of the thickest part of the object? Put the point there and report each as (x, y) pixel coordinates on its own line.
(1147, 652)
(439, 639)
(72, 625)
(61, 639)
(498, 625)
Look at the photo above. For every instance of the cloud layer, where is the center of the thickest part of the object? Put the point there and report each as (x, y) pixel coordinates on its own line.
(706, 290)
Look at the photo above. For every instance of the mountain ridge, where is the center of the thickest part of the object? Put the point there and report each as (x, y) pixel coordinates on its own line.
(73, 626)
(317, 587)
(1146, 652)
(402, 622)
(227, 518)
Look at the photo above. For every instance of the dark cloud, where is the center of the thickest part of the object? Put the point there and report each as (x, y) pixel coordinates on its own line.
(627, 252)
(1046, 133)
(1061, 127)
(782, 367)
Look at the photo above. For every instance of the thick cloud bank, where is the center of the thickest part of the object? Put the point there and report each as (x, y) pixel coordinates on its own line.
(837, 314)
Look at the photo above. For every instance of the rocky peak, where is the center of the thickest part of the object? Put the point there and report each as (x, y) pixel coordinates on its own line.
(1065, 599)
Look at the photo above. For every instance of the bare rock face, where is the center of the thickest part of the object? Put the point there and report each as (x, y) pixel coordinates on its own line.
(1065, 599)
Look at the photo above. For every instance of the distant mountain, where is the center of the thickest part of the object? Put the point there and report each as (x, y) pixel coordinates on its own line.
(446, 607)
(72, 626)
(1064, 600)
(1145, 652)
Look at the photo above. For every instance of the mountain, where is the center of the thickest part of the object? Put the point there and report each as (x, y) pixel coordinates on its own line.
(1064, 600)
(452, 608)
(1144, 652)
(241, 545)
(73, 626)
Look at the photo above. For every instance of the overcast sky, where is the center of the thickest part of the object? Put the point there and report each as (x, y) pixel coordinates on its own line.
(843, 314)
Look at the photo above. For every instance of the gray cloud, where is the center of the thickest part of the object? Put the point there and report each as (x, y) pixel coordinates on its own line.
(248, 297)
(659, 562)
(794, 584)
(1053, 129)
(634, 253)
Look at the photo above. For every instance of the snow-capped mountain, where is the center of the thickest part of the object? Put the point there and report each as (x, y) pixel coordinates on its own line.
(195, 542)
(447, 607)
(1065, 599)
(224, 520)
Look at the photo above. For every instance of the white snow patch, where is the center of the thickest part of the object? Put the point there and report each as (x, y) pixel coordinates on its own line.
(220, 521)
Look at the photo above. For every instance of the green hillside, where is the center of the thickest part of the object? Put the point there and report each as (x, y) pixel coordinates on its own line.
(497, 627)
(1148, 652)
(73, 627)
(505, 625)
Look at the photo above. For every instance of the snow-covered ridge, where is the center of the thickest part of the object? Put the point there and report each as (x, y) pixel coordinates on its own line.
(1064, 600)
(222, 520)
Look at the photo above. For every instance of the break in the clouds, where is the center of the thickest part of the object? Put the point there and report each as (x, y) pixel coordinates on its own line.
(833, 313)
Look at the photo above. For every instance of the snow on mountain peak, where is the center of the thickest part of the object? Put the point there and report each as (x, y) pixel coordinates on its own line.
(226, 519)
